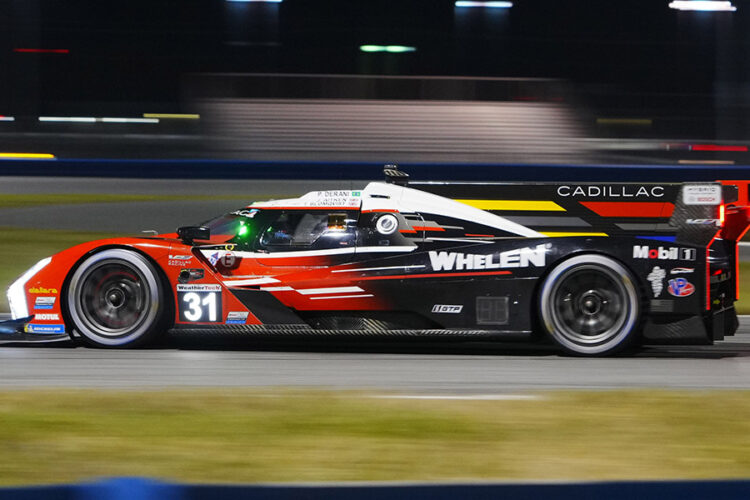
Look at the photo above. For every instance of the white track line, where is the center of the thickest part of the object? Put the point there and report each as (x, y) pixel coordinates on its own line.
(473, 397)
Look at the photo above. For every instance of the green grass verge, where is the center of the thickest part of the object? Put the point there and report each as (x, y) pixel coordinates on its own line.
(251, 436)
(33, 200)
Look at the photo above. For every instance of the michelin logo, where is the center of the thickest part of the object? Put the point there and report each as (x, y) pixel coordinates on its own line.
(656, 278)
(45, 328)
(523, 257)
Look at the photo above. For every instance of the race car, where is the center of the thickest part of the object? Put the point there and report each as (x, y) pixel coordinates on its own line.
(596, 267)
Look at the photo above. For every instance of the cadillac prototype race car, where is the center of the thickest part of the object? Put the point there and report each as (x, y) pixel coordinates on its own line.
(595, 267)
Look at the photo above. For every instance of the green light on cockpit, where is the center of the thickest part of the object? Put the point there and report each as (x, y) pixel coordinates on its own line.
(243, 230)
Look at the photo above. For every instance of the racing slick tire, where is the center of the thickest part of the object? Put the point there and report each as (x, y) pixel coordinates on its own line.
(115, 298)
(590, 305)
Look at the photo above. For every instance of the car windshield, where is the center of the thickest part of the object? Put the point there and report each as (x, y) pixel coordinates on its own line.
(240, 226)
(284, 230)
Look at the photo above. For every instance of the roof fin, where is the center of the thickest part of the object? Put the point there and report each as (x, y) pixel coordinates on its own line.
(395, 176)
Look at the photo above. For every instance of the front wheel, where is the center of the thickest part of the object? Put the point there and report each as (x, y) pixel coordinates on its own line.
(115, 299)
(590, 305)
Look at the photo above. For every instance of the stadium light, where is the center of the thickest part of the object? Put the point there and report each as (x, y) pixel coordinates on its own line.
(393, 49)
(91, 119)
(703, 5)
(71, 119)
(173, 116)
(489, 5)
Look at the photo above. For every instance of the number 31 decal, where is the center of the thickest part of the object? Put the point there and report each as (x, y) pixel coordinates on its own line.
(199, 305)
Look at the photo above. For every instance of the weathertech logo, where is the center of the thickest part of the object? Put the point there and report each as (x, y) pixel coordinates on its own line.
(523, 257)
(663, 253)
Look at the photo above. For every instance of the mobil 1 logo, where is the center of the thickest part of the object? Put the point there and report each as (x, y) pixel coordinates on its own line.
(663, 253)
(199, 303)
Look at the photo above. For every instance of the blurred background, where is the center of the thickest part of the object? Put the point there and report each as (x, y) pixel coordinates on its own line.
(531, 81)
(121, 116)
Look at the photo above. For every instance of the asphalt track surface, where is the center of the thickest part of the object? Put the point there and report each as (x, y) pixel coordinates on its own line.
(443, 368)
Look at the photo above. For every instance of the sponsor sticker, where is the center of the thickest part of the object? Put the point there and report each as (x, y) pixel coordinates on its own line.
(703, 194)
(214, 258)
(447, 308)
(228, 259)
(188, 275)
(47, 317)
(40, 289)
(522, 257)
(704, 222)
(611, 191)
(656, 278)
(663, 253)
(198, 288)
(45, 328)
(680, 287)
(236, 317)
(682, 270)
(248, 212)
(179, 260)
(44, 302)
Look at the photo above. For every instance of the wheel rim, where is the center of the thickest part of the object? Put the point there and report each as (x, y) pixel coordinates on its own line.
(113, 298)
(589, 305)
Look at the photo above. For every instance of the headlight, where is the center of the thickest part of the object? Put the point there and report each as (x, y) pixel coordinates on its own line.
(17, 294)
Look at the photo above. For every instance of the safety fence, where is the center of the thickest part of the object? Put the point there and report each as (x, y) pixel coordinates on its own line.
(144, 489)
(227, 169)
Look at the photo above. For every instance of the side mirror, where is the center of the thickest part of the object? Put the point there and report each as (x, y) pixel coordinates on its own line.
(189, 233)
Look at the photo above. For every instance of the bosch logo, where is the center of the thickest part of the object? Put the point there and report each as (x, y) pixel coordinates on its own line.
(680, 287)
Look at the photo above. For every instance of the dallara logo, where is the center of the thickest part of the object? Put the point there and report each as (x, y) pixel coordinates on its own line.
(523, 257)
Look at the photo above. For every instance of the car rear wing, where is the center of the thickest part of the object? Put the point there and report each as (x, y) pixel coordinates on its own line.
(688, 212)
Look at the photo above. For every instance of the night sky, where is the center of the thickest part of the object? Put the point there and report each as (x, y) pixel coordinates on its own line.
(137, 50)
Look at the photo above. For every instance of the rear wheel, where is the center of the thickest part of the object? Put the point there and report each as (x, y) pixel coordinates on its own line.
(115, 299)
(590, 305)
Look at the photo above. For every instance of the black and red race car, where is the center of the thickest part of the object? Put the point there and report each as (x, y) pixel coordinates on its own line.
(595, 266)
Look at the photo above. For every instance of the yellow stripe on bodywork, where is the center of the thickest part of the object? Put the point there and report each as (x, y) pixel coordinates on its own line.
(527, 205)
(557, 234)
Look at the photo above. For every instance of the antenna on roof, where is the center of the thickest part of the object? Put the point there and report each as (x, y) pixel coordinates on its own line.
(395, 176)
